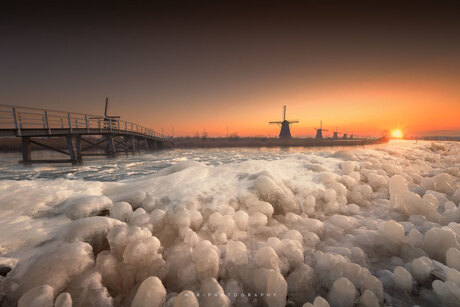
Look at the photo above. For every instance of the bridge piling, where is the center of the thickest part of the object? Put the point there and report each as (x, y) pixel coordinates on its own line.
(26, 150)
(111, 151)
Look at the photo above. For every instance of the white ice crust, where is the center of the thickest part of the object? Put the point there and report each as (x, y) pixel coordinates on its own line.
(362, 226)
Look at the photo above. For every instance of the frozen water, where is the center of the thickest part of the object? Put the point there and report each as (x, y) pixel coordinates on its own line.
(151, 292)
(312, 227)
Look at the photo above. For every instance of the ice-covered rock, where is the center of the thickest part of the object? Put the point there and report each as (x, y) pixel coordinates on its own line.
(66, 260)
(368, 299)
(453, 258)
(438, 240)
(318, 302)
(206, 259)
(266, 257)
(421, 268)
(39, 296)
(212, 294)
(63, 300)
(151, 292)
(86, 206)
(281, 198)
(236, 253)
(186, 299)
(121, 211)
(342, 294)
(403, 279)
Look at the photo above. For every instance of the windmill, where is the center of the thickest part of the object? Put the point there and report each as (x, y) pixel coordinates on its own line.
(285, 132)
(336, 134)
(351, 136)
(107, 119)
(345, 136)
(319, 131)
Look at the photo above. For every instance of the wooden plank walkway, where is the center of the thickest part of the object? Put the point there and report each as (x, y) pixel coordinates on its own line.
(85, 134)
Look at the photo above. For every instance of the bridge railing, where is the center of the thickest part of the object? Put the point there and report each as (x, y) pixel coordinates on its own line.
(19, 118)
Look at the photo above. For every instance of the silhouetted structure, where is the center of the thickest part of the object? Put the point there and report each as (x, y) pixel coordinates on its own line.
(83, 133)
(285, 132)
(345, 136)
(336, 134)
(319, 131)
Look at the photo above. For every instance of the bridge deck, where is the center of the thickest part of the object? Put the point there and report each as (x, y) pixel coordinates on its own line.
(30, 123)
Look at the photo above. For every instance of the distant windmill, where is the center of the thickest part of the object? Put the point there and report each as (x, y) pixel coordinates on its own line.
(351, 136)
(107, 109)
(285, 132)
(319, 131)
(336, 134)
(107, 118)
(345, 136)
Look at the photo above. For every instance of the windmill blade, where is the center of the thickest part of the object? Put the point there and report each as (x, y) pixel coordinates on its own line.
(295, 121)
(275, 122)
(325, 129)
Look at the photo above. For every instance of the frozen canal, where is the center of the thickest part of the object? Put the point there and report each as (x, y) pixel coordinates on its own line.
(244, 227)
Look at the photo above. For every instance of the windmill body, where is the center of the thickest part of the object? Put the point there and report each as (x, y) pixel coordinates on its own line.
(319, 131)
(336, 134)
(285, 132)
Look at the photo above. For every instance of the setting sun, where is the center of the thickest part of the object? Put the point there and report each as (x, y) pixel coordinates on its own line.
(397, 134)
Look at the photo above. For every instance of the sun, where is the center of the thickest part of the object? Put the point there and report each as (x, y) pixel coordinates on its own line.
(397, 134)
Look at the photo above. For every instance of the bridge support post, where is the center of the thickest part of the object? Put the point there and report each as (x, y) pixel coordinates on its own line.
(72, 149)
(111, 152)
(133, 144)
(146, 144)
(26, 150)
(78, 149)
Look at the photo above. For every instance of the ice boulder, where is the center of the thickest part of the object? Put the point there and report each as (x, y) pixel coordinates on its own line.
(39, 296)
(63, 300)
(151, 293)
(410, 203)
(342, 294)
(368, 299)
(212, 294)
(421, 268)
(86, 206)
(453, 258)
(438, 240)
(448, 292)
(87, 290)
(301, 283)
(121, 211)
(277, 194)
(205, 255)
(66, 260)
(347, 167)
(402, 279)
(186, 299)
(236, 253)
(266, 257)
(318, 302)
(273, 285)
(241, 219)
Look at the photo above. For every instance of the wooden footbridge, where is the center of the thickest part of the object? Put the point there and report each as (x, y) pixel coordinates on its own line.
(84, 134)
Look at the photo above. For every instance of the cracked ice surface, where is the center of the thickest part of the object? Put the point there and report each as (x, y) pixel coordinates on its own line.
(374, 226)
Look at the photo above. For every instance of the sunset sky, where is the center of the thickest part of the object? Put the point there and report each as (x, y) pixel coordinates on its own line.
(361, 66)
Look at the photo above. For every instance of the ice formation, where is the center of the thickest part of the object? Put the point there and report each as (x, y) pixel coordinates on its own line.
(357, 227)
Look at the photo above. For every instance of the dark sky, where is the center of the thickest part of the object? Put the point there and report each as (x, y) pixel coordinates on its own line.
(207, 65)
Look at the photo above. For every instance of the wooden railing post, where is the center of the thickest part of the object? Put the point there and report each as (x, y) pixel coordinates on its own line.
(99, 123)
(70, 122)
(16, 123)
(47, 122)
(86, 123)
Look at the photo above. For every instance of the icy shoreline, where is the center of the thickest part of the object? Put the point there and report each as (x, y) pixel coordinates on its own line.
(359, 226)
